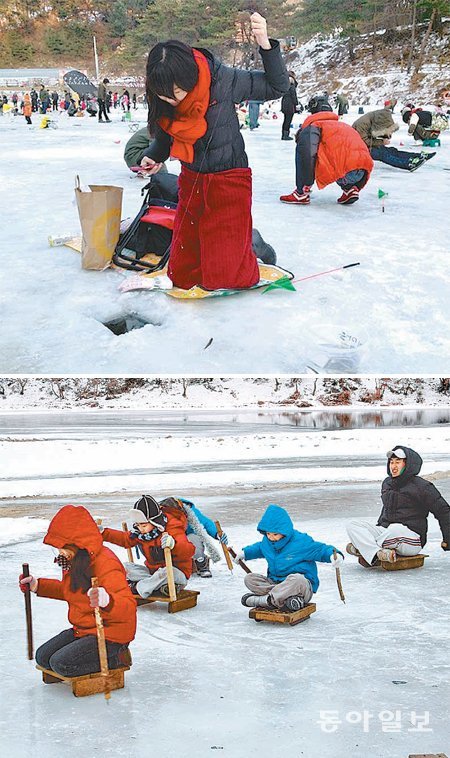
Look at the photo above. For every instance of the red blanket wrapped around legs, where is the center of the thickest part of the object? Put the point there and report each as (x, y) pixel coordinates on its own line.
(212, 236)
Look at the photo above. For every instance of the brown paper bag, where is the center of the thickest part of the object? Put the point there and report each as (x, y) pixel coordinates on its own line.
(100, 212)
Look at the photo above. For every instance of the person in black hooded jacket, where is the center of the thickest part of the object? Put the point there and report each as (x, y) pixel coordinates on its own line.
(402, 526)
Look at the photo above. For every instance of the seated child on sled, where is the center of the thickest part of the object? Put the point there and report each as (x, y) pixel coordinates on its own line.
(291, 559)
(81, 555)
(155, 528)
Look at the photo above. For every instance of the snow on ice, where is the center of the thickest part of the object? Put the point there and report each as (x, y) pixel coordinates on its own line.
(394, 304)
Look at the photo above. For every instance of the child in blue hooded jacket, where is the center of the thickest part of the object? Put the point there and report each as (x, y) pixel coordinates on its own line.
(291, 563)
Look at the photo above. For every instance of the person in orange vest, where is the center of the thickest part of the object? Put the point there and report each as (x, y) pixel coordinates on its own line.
(82, 555)
(327, 151)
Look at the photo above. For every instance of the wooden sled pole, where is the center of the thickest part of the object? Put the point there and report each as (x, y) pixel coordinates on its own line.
(338, 579)
(29, 620)
(169, 569)
(129, 550)
(242, 564)
(102, 654)
(224, 547)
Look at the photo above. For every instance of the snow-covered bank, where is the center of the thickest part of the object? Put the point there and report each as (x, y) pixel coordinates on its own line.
(14, 530)
(240, 393)
(323, 63)
(82, 466)
(55, 313)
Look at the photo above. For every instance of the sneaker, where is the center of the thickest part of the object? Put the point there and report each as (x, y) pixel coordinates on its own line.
(164, 590)
(294, 603)
(352, 550)
(124, 657)
(416, 163)
(385, 554)
(427, 156)
(296, 199)
(256, 601)
(349, 197)
(202, 568)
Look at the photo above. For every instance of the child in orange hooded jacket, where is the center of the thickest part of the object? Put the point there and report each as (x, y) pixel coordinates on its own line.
(81, 555)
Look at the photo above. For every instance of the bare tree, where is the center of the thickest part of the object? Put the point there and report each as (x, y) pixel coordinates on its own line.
(413, 37)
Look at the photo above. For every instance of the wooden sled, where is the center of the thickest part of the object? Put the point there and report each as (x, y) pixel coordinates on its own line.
(185, 599)
(402, 563)
(91, 684)
(283, 617)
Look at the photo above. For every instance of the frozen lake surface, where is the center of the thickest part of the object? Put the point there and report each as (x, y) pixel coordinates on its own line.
(54, 313)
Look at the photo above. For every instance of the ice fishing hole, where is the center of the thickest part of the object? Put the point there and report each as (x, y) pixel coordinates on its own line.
(128, 323)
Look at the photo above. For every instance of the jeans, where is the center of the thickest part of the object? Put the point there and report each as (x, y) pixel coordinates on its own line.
(352, 179)
(253, 114)
(392, 156)
(68, 655)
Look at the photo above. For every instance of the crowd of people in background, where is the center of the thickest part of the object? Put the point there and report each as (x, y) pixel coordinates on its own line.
(46, 101)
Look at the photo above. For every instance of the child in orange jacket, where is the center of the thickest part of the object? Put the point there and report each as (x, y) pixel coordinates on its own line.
(27, 108)
(153, 530)
(81, 555)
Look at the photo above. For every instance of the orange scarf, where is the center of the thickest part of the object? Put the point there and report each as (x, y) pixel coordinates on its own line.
(189, 123)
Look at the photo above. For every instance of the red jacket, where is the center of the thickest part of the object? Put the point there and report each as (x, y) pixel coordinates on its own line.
(341, 149)
(176, 526)
(74, 525)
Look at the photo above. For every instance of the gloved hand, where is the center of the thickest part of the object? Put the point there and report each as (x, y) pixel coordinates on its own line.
(445, 546)
(336, 561)
(240, 556)
(222, 538)
(167, 541)
(31, 581)
(98, 597)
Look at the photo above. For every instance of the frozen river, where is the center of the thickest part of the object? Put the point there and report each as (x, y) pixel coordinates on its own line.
(366, 678)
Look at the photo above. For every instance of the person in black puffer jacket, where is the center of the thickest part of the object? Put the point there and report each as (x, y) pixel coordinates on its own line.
(191, 98)
(289, 106)
(402, 526)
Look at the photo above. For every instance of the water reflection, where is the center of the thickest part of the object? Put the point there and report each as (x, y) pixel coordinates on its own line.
(98, 424)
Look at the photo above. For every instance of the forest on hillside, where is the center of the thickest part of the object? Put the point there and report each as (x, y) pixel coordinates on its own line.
(37, 33)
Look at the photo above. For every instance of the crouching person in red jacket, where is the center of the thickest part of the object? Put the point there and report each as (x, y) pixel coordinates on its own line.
(328, 151)
(81, 555)
(153, 530)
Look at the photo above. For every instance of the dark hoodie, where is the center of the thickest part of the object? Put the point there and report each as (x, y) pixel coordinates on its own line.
(408, 499)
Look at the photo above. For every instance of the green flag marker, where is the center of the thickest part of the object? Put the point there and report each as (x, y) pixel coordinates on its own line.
(382, 194)
(283, 284)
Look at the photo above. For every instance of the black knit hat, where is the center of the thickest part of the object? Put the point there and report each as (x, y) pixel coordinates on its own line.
(147, 509)
(318, 104)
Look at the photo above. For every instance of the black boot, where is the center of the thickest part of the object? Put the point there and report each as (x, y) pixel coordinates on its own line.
(262, 249)
(202, 566)
(285, 136)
